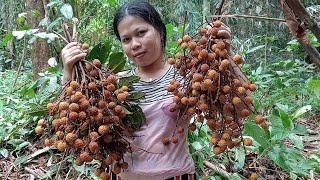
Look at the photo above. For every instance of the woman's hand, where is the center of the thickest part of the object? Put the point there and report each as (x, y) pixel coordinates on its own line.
(70, 54)
(224, 33)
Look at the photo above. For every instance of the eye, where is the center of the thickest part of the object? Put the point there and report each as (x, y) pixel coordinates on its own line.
(141, 33)
(125, 40)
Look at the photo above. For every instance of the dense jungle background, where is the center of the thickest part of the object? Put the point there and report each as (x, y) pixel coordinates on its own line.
(287, 78)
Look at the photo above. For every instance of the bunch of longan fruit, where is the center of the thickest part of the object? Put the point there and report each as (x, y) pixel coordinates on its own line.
(86, 119)
(208, 89)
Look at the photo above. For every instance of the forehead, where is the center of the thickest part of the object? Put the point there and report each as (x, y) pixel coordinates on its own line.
(131, 23)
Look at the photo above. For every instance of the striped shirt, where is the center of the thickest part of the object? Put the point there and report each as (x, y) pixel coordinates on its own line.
(154, 90)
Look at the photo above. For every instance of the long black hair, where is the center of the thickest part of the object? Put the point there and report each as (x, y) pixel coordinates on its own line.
(145, 11)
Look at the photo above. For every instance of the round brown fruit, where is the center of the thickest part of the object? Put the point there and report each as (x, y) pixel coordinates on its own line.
(174, 140)
(184, 45)
(39, 130)
(192, 45)
(85, 46)
(63, 105)
(97, 63)
(217, 23)
(124, 165)
(78, 143)
(166, 140)
(50, 106)
(171, 61)
(180, 130)
(108, 161)
(247, 141)
(103, 129)
(258, 119)
(237, 59)
(248, 100)
(252, 87)
(192, 127)
(42, 122)
(264, 124)
(236, 100)
(245, 112)
(74, 84)
(61, 146)
(253, 176)
(217, 150)
(186, 38)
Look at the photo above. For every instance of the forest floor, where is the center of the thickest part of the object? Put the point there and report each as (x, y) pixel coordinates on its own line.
(34, 162)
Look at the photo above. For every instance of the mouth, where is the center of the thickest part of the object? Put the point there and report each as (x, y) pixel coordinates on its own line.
(138, 55)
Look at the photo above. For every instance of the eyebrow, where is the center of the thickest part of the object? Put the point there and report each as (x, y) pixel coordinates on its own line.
(135, 30)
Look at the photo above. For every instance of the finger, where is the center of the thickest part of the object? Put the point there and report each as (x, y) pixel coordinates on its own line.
(67, 52)
(72, 54)
(76, 58)
(224, 34)
(68, 46)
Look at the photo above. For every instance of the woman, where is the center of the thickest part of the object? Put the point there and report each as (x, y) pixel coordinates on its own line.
(143, 37)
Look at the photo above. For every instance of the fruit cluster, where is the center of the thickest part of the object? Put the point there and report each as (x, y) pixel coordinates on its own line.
(87, 118)
(208, 88)
(86, 121)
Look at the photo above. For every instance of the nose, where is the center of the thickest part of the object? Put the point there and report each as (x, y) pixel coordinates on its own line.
(135, 43)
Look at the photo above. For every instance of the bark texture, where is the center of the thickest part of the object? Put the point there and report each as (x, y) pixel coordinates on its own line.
(39, 49)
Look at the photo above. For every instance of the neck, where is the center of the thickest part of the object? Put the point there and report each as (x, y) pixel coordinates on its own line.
(152, 68)
(153, 71)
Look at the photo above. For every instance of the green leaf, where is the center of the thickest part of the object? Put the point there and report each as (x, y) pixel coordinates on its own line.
(84, 132)
(300, 129)
(275, 155)
(240, 157)
(257, 133)
(197, 145)
(4, 152)
(117, 61)
(22, 159)
(255, 49)
(39, 112)
(16, 142)
(67, 11)
(6, 39)
(169, 28)
(52, 170)
(234, 176)
(128, 81)
(136, 118)
(285, 118)
(136, 96)
(314, 86)
(296, 140)
(22, 145)
(301, 111)
(200, 162)
(100, 51)
(279, 133)
(293, 176)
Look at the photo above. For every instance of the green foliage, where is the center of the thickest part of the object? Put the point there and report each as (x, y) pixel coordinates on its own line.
(20, 108)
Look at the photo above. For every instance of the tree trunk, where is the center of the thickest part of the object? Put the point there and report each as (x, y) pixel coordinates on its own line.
(39, 49)
(305, 17)
(10, 10)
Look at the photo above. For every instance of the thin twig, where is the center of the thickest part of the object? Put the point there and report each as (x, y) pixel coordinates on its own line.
(247, 16)
(60, 36)
(20, 64)
(217, 169)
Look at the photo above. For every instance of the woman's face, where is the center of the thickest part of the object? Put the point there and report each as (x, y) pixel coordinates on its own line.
(140, 40)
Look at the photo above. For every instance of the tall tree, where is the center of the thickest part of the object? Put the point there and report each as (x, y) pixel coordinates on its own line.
(10, 10)
(39, 49)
